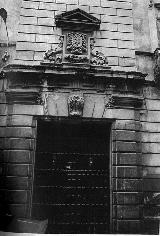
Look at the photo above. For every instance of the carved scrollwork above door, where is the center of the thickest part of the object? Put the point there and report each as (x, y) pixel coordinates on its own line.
(76, 45)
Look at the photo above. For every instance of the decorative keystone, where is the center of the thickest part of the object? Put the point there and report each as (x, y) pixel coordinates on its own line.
(75, 105)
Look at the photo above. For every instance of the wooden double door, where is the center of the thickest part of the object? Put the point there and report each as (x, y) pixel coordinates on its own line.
(71, 176)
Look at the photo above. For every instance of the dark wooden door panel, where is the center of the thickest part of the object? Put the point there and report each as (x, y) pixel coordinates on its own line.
(50, 195)
(71, 184)
(74, 161)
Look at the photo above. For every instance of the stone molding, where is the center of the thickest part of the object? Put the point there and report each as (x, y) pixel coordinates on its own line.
(78, 19)
(75, 101)
(75, 50)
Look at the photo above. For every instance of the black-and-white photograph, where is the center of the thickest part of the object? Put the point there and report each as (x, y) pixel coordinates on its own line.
(79, 117)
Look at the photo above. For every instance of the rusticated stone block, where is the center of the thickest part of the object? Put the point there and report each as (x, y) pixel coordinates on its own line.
(18, 170)
(18, 109)
(151, 148)
(23, 55)
(20, 132)
(128, 185)
(100, 10)
(126, 135)
(127, 198)
(21, 37)
(2, 143)
(128, 212)
(127, 125)
(30, 4)
(35, 12)
(127, 172)
(20, 120)
(29, 20)
(129, 226)
(128, 146)
(117, 19)
(90, 2)
(150, 160)
(151, 172)
(35, 29)
(117, 4)
(28, 46)
(52, 6)
(18, 156)
(16, 197)
(3, 109)
(128, 159)
(3, 120)
(151, 226)
(18, 210)
(19, 143)
(2, 98)
(15, 183)
(2, 132)
(151, 185)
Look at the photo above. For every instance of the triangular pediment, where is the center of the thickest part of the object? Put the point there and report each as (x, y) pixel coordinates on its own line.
(77, 17)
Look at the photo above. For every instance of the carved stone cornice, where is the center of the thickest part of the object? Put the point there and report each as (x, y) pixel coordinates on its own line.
(91, 72)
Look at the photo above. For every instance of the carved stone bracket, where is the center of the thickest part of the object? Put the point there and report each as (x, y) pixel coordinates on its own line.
(109, 102)
(75, 105)
(5, 56)
(55, 55)
(97, 58)
(43, 100)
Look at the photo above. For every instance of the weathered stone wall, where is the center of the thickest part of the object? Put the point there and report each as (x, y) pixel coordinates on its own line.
(150, 153)
(13, 15)
(12, 22)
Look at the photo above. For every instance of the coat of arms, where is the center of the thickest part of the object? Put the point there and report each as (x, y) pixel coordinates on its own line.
(76, 43)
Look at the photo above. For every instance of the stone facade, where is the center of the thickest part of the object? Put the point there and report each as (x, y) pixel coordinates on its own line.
(125, 93)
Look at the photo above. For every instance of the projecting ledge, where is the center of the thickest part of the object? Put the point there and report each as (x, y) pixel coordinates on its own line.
(80, 71)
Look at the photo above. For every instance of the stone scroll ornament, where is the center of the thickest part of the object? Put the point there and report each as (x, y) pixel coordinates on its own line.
(97, 58)
(75, 47)
(55, 55)
(75, 105)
